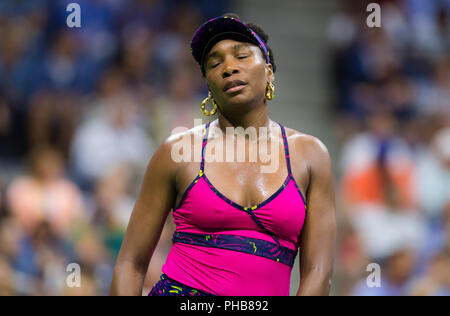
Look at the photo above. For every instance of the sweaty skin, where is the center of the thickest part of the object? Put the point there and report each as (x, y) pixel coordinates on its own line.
(165, 180)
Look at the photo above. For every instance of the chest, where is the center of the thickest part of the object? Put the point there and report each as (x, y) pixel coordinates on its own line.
(245, 183)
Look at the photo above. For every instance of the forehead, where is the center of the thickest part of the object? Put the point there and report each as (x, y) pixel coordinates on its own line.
(230, 45)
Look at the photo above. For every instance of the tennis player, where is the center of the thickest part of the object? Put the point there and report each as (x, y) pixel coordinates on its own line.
(238, 230)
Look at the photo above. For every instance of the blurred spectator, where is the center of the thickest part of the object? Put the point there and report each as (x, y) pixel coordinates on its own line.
(396, 275)
(434, 97)
(434, 174)
(22, 30)
(429, 23)
(52, 121)
(172, 45)
(438, 239)
(6, 278)
(112, 137)
(65, 65)
(94, 260)
(377, 167)
(17, 250)
(137, 57)
(434, 278)
(45, 194)
(351, 259)
(113, 205)
(49, 255)
(10, 237)
(435, 259)
(178, 107)
(436, 281)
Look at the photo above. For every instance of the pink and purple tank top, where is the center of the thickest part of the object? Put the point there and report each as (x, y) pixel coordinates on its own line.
(226, 249)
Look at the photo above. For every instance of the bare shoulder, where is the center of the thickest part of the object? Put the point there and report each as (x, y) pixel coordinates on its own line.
(311, 153)
(306, 145)
(194, 133)
(167, 154)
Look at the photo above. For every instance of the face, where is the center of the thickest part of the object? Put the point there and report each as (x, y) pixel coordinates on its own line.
(237, 74)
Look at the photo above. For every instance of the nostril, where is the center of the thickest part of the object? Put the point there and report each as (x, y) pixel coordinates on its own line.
(227, 73)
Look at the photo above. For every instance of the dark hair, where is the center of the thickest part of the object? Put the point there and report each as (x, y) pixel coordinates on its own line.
(258, 30)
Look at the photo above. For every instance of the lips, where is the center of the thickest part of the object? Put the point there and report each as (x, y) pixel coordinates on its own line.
(234, 85)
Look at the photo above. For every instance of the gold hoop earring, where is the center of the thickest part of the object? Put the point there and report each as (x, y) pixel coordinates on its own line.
(270, 91)
(203, 105)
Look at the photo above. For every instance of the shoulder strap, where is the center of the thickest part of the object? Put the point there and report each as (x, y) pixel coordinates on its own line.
(286, 149)
(205, 139)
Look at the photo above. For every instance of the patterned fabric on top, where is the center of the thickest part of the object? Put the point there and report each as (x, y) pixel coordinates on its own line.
(253, 246)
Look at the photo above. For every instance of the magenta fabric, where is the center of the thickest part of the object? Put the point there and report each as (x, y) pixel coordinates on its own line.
(203, 209)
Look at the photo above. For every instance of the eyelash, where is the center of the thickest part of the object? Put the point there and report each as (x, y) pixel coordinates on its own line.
(239, 57)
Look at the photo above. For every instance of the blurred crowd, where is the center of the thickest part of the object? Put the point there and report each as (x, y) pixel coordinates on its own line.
(81, 112)
(393, 124)
(83, 109)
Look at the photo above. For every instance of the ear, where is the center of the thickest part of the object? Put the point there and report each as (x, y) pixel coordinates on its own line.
(269, 73)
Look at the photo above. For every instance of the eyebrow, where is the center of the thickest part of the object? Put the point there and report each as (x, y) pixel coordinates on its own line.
(234, 48)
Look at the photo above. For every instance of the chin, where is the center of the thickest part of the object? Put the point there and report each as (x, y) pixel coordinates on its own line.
(238, 99)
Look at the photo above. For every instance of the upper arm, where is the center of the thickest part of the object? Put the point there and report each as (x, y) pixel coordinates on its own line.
(317, 242)
(151, 209)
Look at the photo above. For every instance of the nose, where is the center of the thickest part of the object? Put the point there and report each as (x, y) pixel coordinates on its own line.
(229, 68)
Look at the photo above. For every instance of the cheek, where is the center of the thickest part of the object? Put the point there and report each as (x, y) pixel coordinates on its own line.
(211, 84)
(258, 79)
(257, 70)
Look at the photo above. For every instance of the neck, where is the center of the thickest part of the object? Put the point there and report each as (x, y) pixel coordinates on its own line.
(256, 117)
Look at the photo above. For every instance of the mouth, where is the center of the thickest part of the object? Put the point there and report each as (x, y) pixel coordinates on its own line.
(234, 86)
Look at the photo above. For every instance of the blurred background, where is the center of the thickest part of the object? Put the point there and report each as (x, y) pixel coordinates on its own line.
(82, 111)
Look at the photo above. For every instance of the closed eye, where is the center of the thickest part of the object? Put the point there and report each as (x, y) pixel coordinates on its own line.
(242, 57)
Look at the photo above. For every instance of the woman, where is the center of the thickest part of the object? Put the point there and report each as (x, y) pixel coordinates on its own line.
(237, 230)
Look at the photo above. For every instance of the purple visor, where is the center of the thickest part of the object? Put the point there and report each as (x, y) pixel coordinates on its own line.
(219, 28)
